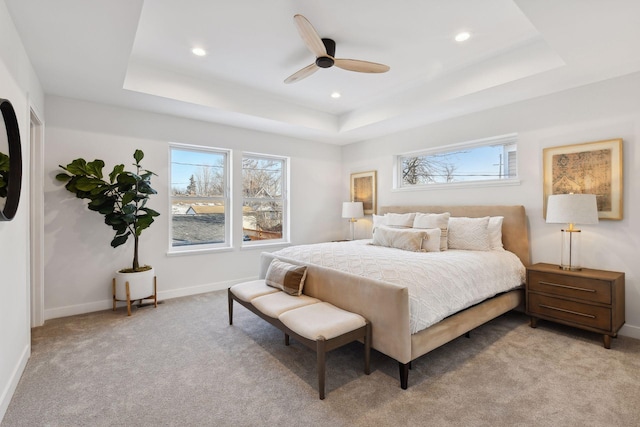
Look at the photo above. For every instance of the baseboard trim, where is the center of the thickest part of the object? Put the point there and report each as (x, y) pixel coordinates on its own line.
(630, 331)
(8, 391)
(72, 310)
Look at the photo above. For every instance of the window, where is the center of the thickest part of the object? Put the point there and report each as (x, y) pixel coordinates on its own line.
(491, 159)
(200, 205)
(264, 198)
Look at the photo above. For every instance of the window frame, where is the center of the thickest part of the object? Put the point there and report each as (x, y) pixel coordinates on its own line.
(503, 140)
(226, 198)
(286, 162)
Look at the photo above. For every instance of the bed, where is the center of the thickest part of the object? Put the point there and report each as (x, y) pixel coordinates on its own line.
(389, 302)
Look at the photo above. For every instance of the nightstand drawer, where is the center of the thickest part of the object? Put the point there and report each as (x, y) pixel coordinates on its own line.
(583, 288)
(570, 311)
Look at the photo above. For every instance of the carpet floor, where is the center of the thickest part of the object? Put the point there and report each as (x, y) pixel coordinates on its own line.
(181, 364)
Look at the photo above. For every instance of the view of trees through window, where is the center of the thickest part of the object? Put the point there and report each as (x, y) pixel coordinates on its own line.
(200, 197)
(475, 163)
(263, 197)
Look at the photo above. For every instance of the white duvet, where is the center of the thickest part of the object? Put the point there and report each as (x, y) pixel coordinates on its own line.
(439, 283)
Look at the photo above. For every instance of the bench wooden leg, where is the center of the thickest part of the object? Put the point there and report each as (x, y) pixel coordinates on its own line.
(230, 306)
(367, 349)
(321, 365)
(286, 339)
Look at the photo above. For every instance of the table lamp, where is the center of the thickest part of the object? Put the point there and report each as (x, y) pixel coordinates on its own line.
(571, 209)
(352, 210)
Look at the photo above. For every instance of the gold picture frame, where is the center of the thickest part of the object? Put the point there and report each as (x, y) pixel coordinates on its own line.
(363, 189)
(589, 168)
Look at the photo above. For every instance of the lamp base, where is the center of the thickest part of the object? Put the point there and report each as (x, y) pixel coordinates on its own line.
(570, 255)
(569, 268)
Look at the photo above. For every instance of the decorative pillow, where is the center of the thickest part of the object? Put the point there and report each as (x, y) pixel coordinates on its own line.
(431, 220)
(407, 239)
(286, 277)
(431, 243)
(378, 220)
(469, 233)
(399, 220)
(495, 233)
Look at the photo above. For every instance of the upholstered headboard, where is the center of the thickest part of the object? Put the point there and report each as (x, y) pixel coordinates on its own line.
(515, 236)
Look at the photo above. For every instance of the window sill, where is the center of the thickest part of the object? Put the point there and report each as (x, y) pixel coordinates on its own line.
(265, 245)
(199, 251)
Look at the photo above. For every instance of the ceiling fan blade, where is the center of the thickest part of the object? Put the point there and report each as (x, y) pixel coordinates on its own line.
(361, 66)
(301, 74)
(310, 36)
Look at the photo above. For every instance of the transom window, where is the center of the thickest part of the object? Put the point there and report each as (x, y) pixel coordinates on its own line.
(491, 159)
(264, 198)
(200, 205)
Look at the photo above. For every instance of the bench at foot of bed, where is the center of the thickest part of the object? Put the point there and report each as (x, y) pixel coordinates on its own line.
(318, 325)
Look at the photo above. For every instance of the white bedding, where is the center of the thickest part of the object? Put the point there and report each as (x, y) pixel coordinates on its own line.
(439, 283)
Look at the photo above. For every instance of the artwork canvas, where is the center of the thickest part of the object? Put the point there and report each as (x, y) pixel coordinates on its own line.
(589, 168)
(363, 189)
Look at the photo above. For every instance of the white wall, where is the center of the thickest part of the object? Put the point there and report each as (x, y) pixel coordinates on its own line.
(602, 111)
(19, 85)
(79, 262)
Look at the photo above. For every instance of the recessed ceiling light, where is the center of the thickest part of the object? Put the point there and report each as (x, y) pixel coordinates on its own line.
(335, 95)
(198, 51)
(460, 37)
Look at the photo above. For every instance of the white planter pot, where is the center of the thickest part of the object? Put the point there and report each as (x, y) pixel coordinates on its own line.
(141, 285)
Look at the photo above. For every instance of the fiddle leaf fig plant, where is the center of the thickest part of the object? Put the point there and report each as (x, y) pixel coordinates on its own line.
(122, 199)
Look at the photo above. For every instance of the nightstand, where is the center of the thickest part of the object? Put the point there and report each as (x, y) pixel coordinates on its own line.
(588, 299)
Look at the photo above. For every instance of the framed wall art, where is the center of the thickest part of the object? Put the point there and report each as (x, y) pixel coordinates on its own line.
(589, 168)
(363, 189)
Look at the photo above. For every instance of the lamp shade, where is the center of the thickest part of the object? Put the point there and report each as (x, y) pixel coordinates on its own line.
(572, 209)
(352, 210)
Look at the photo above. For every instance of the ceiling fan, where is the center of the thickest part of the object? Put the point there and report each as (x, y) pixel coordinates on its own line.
(324, 50)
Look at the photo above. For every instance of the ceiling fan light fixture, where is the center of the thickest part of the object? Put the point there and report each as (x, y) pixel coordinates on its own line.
(198, 51)
(462, 36)
(335, 94)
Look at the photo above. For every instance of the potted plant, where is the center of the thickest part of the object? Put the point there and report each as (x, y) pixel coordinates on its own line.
(122, 200)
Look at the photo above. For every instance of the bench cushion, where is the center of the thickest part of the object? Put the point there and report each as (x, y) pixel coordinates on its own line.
(277, 303)
(249, 290)
(321, 320)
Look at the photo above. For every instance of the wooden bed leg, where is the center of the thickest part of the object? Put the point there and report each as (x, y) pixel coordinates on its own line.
(286, 339)
(404, 374)
(230, 306)
(467, 335)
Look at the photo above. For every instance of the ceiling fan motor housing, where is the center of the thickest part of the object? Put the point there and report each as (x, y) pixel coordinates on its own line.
(327, 61)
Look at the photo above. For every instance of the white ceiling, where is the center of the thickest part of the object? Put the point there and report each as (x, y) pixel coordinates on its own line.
(137, 54)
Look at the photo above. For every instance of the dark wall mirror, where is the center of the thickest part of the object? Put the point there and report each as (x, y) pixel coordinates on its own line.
(10, 162)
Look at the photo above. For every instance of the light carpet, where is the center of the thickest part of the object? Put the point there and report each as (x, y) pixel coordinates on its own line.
(181, 364)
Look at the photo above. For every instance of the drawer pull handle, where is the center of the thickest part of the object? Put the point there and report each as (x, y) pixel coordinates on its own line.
(566, 286)
(591, 316)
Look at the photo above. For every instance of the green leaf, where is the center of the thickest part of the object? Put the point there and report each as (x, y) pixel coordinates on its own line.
(150, 212)
(138, 155)
(4, 162)
(88, 184)
(127, 178)
(128, 197)
(77, 167)
(95, 168)
(63, 177)
(117, 170)
(119, 240)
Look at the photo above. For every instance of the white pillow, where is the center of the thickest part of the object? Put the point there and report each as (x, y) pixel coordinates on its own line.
(406, 238)
(469, 233)
(399, 220)
(431, 220)
(495, 233)
(431, 243)
(378, 220)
